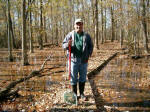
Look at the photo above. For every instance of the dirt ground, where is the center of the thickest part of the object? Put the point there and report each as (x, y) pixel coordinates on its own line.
(45, 93)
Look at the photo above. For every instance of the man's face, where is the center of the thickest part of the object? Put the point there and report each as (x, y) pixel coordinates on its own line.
(78, 27)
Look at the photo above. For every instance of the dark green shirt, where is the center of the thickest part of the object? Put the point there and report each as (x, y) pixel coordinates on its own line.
(78, 44)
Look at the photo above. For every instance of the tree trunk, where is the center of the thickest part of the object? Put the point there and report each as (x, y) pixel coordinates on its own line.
(12, 31)
(144, 26)
(96, 24)
(10, 57)
(56, 31)
(24, 41)
(56, 27)
(112, 24)
(63, 28)
(41, 25)
(121, 24)
(93, 22)
(83, 9)
(10, 26)
(102, 19)
(105, 38)
(135, 44)
(70, 14)
(30, 29)
(45, 34)
(52, 24)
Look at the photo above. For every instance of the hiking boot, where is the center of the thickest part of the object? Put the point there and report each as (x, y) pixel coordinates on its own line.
(81, 87)
(74, 89)
(81, 90)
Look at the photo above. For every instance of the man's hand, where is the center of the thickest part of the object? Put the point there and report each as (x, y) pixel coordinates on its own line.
(70, 42)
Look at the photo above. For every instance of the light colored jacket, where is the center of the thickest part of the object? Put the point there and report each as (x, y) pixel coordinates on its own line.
(87, 46)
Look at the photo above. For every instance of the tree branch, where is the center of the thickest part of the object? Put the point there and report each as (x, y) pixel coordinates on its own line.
(6, 92)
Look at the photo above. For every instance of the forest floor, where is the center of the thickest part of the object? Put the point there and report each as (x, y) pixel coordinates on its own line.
(45, 93)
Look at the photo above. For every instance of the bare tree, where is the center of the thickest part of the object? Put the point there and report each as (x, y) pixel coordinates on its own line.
(112, 23)
(102, 19)
(93, 20)
(45, 34)
(30, 28)
(41, 26)
(144, 23)
(105, 24)
(121, 24)
(96, 24)
(10, 57)
(56, 24)
(24, 40)
(11, 27)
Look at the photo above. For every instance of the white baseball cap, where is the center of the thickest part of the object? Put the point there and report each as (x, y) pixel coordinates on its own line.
(78, 21)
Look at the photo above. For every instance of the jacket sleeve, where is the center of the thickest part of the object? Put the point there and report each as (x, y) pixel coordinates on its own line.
(65, 41)
(90, 45)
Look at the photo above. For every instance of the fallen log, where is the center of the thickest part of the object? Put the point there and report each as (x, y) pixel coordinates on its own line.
(7, 92)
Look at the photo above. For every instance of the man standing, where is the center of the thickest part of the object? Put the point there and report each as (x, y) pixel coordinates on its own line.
(81, 49)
